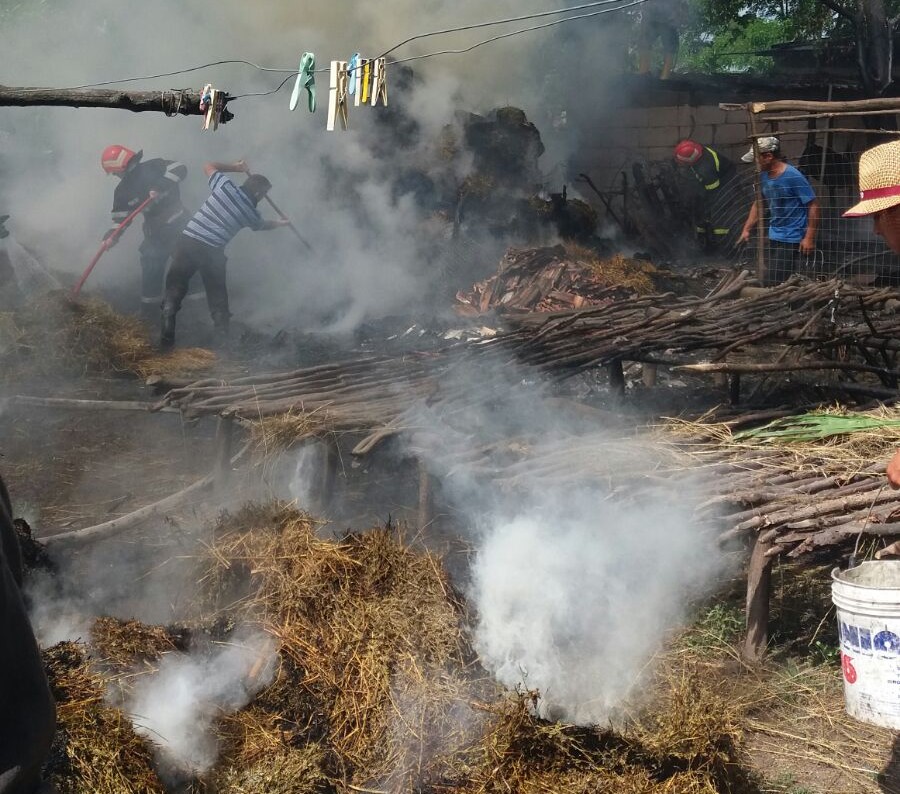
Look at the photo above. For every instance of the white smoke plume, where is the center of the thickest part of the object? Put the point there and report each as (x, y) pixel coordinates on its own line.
(574, 595)
(176, 707)
(574, 591)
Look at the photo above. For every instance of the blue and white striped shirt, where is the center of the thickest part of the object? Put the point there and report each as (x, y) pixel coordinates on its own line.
(227, 210)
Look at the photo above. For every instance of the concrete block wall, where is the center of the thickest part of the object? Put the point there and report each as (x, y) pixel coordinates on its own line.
(631, 134)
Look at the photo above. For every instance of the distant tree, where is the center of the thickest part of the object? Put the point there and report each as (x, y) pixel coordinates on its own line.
(732, 25)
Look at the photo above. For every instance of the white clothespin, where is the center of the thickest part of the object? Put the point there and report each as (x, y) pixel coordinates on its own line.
(215, 106)
(379, 82)
(338, 99)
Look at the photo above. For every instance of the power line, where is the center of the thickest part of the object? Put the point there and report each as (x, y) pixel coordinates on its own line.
(523, 30)
(474, 46)
(522, 18)
(417, 37)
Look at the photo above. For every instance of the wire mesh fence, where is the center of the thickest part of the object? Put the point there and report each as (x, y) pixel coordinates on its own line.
(845, 247)
(678, 219)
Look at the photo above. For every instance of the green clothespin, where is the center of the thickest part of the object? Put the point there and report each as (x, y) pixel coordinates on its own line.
(306, 78)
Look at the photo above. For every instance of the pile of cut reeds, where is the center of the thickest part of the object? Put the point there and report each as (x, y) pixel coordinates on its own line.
(56, 334)
(802, 483)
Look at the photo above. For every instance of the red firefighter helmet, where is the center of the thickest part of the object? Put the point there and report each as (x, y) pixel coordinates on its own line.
(115, 158)
(688, 152)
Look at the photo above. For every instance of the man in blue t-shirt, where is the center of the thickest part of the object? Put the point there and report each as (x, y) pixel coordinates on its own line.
(793, 211)
(228, 209)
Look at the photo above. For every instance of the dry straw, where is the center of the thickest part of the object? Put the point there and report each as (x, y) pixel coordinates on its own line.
(378, 689)
(54, 335)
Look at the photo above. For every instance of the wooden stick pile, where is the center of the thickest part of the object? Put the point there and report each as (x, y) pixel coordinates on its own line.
(827, 319)
(795, 505)
(818, 317)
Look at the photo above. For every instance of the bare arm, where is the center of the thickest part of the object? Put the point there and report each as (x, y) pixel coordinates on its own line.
(750, 223)
(269, 225)
(808, 244)
(893, 470)
(240, 167)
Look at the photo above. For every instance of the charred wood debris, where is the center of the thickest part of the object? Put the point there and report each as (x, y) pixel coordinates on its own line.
(793, 507)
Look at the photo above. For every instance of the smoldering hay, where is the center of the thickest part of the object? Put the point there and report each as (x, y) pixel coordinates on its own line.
(375, 688)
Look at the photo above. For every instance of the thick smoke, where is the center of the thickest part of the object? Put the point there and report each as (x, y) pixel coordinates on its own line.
(370, 257)
(176, 707)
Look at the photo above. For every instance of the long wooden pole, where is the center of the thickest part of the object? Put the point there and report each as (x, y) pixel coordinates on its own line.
(760, 209)
(173, 103)
(890, 105)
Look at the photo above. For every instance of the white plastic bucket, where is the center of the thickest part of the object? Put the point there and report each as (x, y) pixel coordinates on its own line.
(867, 599)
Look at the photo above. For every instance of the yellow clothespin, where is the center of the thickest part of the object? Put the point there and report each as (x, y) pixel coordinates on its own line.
(363, 94)
(337, 96)
(379, 82)
(362, 83)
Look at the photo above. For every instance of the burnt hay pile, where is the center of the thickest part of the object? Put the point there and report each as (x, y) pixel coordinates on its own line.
(55, 334)
(377, 688)
(564, 277)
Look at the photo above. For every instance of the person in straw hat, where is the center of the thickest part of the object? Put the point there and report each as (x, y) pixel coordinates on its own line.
(879, 197)
(793, 210)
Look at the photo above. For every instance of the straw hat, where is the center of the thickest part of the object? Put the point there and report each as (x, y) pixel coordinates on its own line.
(879, 180)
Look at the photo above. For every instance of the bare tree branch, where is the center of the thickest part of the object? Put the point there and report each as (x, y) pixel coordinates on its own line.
(837, 8)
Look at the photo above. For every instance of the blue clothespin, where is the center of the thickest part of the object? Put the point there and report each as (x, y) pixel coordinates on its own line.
(306, 79)
(352, 69)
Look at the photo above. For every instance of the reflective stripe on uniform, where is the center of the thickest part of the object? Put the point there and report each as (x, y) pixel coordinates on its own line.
(714, 185)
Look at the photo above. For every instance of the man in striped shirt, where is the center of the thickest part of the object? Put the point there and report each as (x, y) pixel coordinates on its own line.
(228, 209)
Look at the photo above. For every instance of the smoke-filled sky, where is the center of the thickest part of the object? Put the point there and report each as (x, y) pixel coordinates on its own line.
(52, 184)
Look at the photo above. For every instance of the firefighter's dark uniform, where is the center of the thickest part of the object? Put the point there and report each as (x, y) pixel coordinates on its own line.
(27, 713)
(164, 220)
(713, 172)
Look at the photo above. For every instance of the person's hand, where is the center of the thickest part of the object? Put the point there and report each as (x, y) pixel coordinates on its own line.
(893, 470)
(807, 245)
(745, 236)
(241, 167)
(111, 238)
(283, 222)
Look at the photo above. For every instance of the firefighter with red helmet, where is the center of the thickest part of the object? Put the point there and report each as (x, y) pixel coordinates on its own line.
(712, 173)
(164, 217)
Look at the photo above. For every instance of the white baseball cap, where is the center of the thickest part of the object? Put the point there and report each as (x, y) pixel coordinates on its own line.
(768, 144)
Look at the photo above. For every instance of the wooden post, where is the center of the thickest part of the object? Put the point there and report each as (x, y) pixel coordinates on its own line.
(734, 388)
(172, 103)
(224, 440)
(329, 472)
(759, 579)
(616, 378)
(760, 207)
(426, 500)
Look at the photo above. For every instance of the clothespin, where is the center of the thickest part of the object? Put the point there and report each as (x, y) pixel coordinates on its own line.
(337, 96)
(205, 96)
(363, 95)
(379, 82)
(352, 73)
(213, 102)
(306, 79)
